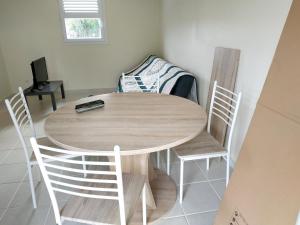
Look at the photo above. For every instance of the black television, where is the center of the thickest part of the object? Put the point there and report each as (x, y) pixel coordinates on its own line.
(39, 73)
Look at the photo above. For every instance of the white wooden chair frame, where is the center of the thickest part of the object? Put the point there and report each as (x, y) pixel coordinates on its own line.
(153, 89)
(228, 115)
(82, 190)
(21, 117)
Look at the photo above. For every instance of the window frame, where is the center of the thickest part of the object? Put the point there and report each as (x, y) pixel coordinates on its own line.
(100, 15)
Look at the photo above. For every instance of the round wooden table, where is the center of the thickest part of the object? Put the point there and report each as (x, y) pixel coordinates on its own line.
(140, 123)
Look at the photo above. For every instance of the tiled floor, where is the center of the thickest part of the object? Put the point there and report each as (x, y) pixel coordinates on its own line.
(203, 189)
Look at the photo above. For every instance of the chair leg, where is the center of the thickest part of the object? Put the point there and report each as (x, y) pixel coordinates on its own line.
(31, 183)
(144, 206)
(158, 159)
(168, 161)
(83, 165)
(207, 164)
(227, 169)
(61, 221)
(40, 176)
(181, 181)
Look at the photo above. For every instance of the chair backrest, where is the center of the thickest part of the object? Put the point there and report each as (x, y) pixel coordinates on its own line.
(138, 83)
(20, 115)
(224, 106)
(61, 174)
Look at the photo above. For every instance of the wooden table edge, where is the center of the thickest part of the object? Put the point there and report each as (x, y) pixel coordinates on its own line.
(129, 152)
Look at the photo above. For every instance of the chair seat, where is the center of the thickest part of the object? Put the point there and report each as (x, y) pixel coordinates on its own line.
(204, 146)
(101, 211)
(46, 142)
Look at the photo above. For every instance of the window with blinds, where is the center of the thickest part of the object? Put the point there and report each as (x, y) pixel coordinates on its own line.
(82, 20)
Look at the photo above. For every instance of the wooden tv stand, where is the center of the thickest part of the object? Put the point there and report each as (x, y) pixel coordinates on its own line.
(48, 89)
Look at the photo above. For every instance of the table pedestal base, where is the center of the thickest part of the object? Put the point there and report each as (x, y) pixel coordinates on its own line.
(164, 193)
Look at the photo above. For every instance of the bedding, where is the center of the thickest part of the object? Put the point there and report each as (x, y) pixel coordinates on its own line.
(169, 77)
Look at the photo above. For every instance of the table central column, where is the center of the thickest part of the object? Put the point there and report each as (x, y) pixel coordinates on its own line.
(141, 165)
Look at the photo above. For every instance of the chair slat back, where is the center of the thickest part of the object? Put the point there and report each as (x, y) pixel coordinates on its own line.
(224, 106)
(134, 83)
(20, 115)
(65, 174)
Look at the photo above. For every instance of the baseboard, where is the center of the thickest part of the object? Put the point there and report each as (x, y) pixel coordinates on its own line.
(94, 90)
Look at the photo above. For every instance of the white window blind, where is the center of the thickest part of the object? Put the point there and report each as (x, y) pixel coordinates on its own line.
(80, 6)
(82, 20)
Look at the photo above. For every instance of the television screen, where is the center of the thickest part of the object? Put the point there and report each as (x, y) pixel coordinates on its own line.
(39, 70)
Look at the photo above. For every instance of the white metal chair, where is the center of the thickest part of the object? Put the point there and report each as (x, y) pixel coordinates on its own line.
(20, 115)
(105, 196)
(132, 83)
(224, 106)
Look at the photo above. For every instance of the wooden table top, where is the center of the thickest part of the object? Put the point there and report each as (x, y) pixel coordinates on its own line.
(138, 122)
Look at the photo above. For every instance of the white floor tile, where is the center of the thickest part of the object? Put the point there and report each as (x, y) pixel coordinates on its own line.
(9, 132)
(12, 173)
(7, 142)
(23, 196)
(199, 197)
(7, 192)
(25, 215)
(15, 157)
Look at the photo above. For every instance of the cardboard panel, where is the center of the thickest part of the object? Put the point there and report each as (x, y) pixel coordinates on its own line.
(265, 187)
(281, 90)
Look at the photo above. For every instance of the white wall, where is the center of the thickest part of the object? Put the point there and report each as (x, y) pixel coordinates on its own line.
(32, 29)
(193, 28)
(4, 83)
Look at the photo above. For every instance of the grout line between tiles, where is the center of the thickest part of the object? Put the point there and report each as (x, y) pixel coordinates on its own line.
(186, 219)
(14, 163)
(208, 211)
(212, 187)
(47, 216)
(206, 176)
(217, 179)
(171, 217)
(5, 156)
(194, 182)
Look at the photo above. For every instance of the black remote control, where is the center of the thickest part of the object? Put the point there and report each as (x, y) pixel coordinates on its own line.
(89, 106)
